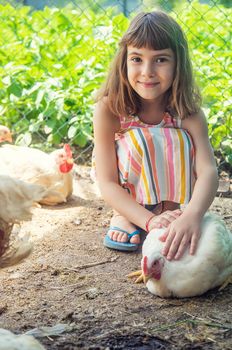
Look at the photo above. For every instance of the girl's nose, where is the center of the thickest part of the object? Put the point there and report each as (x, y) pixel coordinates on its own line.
(148, 70)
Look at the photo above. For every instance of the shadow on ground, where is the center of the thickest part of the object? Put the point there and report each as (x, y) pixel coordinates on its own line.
(71, 278)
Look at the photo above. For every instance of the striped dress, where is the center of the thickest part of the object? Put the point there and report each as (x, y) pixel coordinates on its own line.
(155, 162)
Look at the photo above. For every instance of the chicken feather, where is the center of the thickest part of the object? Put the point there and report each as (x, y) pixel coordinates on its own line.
(11, 341)
(16, 201)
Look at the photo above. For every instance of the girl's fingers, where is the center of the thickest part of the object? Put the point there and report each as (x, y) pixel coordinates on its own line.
(171, 215)
(177, 212)
(182, 248)
(164, 221)
(156, 225)
(194, 241)
(160, 222)
(166, 218)
(164, 236)
(169, 240)
(173, 249)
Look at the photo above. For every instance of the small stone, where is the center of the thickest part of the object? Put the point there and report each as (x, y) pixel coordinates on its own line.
(77, 222)
(105, 223)
(92, 293)
(224, 186)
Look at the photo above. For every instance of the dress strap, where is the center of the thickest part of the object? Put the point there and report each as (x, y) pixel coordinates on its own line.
(178, 122)
(128, 122)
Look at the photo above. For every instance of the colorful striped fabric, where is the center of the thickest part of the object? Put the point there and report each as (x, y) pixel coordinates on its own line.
(155, 162)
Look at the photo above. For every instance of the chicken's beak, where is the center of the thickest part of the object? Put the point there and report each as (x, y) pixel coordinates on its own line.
(146, 278)
(9, 138)
(69, 161)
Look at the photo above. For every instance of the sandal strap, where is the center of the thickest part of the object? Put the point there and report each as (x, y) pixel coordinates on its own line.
(136, 232)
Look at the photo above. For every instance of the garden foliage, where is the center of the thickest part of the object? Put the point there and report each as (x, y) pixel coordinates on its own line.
(53, 61)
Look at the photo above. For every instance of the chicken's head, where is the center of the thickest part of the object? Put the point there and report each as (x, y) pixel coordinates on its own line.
(64, 159)
(5, 134)
(152, 267)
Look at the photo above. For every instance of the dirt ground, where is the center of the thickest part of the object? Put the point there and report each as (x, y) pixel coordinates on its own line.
(70, 278)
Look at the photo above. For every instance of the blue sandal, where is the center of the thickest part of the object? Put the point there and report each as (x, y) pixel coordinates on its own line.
(127, 246)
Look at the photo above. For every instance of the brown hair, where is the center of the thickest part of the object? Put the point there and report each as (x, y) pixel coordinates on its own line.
(156, 31)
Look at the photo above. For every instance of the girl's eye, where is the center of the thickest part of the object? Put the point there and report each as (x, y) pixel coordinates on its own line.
(161, 60)
(136, 59)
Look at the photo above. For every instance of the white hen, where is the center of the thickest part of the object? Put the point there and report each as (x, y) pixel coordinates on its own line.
(52, 171)
(192, 275)
(16, 201)
(10, 341)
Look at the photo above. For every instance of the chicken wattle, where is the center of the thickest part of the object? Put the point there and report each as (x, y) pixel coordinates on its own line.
(192, 275)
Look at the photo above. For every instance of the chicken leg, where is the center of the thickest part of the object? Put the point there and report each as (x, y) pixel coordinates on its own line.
(141, 277)
(225, 284)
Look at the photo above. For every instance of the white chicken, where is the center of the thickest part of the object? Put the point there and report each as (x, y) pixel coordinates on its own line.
(16, 200)
(53, 171)
(192, 275)
(10, 341)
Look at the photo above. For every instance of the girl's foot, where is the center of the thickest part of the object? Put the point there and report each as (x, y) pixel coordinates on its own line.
(121, 222)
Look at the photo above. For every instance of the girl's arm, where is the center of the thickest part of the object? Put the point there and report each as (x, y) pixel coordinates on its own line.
(105, 127)
(185, 230)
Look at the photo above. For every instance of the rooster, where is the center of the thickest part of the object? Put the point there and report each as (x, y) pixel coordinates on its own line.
(192, 275)
(16, 200)
(52, 171)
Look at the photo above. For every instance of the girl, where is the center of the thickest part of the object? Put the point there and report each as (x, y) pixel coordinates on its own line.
(152, 150)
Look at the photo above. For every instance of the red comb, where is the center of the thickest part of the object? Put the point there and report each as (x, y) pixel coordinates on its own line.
(144, 267)
(68, 150)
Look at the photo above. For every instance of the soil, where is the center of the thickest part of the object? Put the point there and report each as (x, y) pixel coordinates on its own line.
(71, 278)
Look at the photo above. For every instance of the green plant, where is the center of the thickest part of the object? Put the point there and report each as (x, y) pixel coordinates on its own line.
(53, 61)
(208, 29)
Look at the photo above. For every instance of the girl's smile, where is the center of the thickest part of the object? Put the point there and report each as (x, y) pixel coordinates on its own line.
(150, 72)
(147, 84)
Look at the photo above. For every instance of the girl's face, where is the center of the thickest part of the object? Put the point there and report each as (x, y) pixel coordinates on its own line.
(150, 72)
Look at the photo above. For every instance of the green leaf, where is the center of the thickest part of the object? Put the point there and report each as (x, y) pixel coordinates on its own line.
(24, 140)
(15, 89)
(72, 131)
(80, 140)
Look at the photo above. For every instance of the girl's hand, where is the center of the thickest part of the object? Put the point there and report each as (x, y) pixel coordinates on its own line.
(164, 219)
(183, 231)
